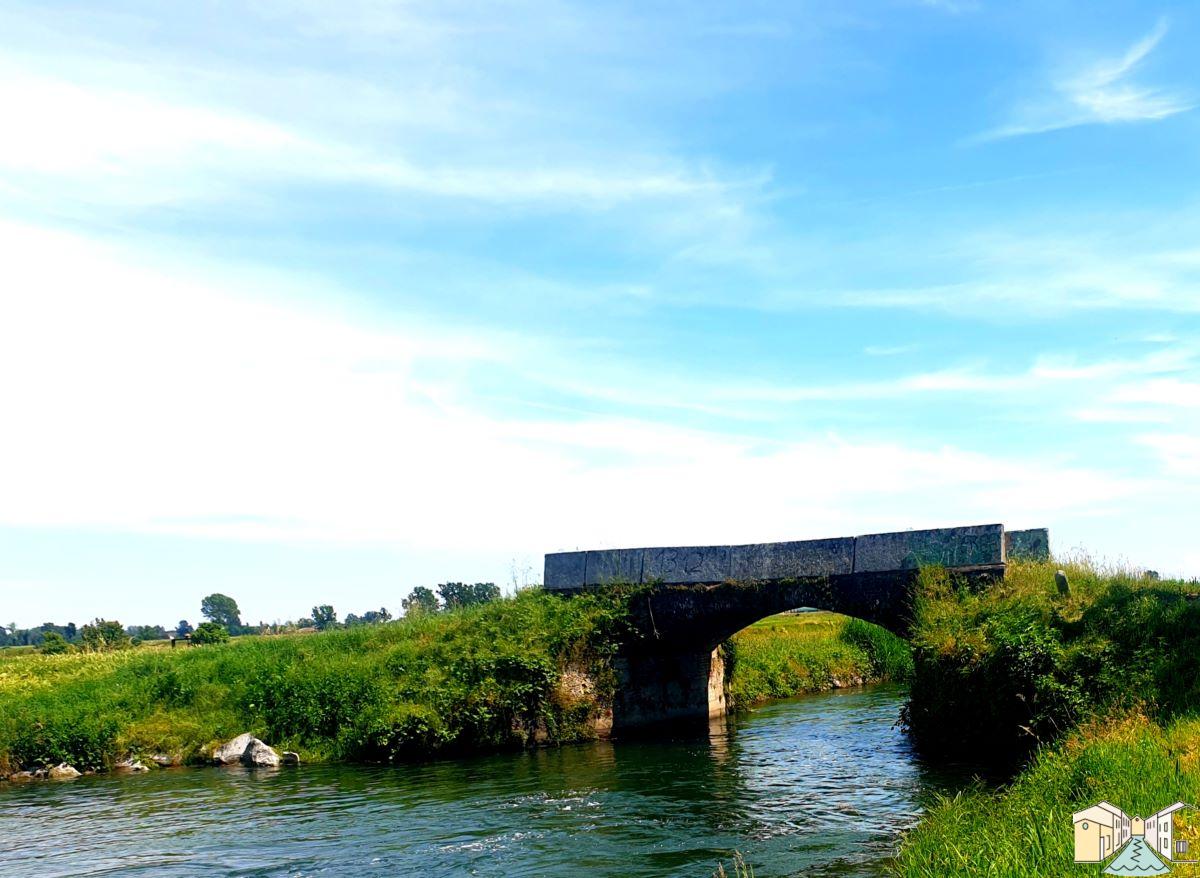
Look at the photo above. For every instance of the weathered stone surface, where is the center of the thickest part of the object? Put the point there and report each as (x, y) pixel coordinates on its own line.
(686, 564)
(247, 750)
(290, 758)
(977, 546)
(260, 755)
(231, 753)
(565, 570)
(163, 760)
(613, 565)
(1027, 545)
(794, 560)
(23, 777)
(130, 765)
(62, 771)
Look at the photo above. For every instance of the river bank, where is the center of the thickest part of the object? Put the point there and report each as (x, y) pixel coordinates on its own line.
(798, 653)
(534, 669)
(530, 668)
(1092, 684)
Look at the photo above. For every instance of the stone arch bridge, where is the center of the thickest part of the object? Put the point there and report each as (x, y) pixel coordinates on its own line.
(702, 595)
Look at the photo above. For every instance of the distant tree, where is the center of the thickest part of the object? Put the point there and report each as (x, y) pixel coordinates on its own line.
(104, 634)
(421, 600)
(324, 617)
(305, 623)
(353, 621)
(183, 629)
(223, 610)
(70, 632)
(373, 617)
(54, 643)
(460, 594)
(210, 632)
(146, 632)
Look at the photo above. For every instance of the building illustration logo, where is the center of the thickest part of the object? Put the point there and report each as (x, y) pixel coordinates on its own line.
(1143, 845)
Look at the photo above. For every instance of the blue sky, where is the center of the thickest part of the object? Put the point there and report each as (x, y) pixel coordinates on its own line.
(315, 303)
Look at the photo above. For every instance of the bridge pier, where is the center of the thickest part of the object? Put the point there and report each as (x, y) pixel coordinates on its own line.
(668, 686)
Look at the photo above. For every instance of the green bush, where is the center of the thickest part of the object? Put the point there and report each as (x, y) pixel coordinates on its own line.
(210, 632)
(54, 643)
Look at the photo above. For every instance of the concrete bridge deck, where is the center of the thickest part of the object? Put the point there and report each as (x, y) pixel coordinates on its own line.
(672, 668)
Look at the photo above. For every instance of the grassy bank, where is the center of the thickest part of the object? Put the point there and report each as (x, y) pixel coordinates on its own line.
(1025, 831)
(1098, 687)
(536, 667)
(787, 655)
(1003, 670)
(488, 677)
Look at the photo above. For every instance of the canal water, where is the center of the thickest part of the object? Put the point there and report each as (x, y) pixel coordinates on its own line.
(819, 785)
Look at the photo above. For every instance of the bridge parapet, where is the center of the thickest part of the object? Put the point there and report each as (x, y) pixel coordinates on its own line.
(970, 547)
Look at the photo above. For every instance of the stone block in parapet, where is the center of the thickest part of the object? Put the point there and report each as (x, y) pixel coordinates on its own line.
(1027, 545)
(975, 546)
(613, 565)
(564, 570)
(681, 565)
(792, 560)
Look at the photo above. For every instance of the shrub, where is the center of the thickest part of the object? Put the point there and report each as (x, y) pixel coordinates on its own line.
(54, 643)
(210, 632)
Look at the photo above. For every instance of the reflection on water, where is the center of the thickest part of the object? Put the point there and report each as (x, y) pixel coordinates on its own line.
(817, 785)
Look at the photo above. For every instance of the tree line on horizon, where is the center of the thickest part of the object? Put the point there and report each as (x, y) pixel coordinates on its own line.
(223, 620)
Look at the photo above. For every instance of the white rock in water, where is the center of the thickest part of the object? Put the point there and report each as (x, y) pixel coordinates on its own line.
(260, 755)
(247, 750)
(231, 753)
(290, 758)
(62, 771)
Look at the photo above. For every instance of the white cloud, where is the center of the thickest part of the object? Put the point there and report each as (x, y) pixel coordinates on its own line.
(133, 147)
(1179, 453)
(140, 399)
(1099, 94)
(1168, 392)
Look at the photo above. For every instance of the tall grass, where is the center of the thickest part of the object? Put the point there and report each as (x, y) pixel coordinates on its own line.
(1099, 685)
(1001, 670)
(1025, 831)
(787, 655)
(485, 677)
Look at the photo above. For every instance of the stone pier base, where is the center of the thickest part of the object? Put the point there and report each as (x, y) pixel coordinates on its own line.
(668, 687)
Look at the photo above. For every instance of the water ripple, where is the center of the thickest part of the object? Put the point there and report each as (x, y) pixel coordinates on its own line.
(814, 785)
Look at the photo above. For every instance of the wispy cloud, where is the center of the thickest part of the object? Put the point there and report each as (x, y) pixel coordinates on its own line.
(1102, 93)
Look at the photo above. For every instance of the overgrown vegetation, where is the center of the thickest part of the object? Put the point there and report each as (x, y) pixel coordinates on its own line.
(788, 654)
(1098, 684)
(1025, 831)
(486, 676)
(1001, 670)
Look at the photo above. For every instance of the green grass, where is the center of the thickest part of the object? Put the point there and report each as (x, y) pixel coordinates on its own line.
(1002, 670)
(482, 678)
(500, 675)
(787, 655)
(1025, 831)
(1098, 687)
